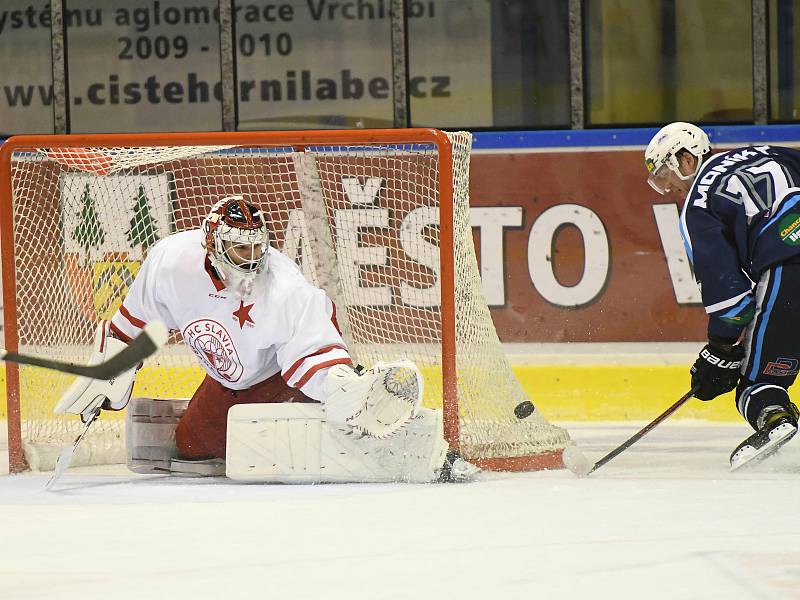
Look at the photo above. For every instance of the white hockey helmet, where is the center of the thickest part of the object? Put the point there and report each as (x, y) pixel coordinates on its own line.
(661, 155)
(236, 237)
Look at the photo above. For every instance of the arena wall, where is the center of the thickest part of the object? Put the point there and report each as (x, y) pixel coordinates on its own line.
(585, 271)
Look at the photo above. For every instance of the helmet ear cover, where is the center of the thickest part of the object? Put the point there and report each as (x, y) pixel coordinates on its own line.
(662, 153)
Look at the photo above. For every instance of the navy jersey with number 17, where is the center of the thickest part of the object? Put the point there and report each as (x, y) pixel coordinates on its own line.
(742, 216)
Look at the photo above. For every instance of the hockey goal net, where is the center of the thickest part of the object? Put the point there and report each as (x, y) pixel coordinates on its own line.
(379, 218)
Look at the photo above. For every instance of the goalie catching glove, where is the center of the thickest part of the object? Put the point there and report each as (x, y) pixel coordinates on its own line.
(85, 395)
(377, 401)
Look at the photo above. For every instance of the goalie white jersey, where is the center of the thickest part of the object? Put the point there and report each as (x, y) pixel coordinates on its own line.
(285, 325)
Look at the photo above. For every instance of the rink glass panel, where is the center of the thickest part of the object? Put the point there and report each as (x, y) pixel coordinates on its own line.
(656, 62)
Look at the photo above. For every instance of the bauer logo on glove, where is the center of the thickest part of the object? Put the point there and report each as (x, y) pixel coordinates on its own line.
(716, 370)
(718, 361)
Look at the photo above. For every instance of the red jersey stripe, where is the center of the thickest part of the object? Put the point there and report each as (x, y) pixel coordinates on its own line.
(288, 374)
(333, 319)
(133, 320)
(119, 333)
(313, 370)
(103, 338)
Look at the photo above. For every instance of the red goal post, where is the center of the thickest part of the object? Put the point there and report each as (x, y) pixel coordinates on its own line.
(386, 200)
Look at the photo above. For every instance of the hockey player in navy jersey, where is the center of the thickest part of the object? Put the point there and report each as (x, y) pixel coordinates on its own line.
(741, 227)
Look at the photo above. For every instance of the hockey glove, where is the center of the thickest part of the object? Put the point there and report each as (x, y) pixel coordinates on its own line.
(716, 370)
(376, 401)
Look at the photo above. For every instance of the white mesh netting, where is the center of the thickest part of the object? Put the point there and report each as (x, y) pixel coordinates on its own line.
(362, 221)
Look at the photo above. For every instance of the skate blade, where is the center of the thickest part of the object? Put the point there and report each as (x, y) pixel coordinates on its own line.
(783, 434)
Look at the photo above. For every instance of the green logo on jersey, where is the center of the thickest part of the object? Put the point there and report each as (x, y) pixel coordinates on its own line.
(742, 319)
(789, 229)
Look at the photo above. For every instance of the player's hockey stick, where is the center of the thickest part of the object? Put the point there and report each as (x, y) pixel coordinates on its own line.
(66, 455)
(576, 461)
(153, 336)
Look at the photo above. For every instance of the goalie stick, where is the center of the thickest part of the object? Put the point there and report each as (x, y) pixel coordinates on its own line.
(577, 462)
(66, 454)
(153, 336)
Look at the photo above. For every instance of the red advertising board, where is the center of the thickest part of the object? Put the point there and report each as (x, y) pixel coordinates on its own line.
(574, 246)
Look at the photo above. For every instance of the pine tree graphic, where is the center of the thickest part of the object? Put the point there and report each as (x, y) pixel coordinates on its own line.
(144, 230)
(89, 232)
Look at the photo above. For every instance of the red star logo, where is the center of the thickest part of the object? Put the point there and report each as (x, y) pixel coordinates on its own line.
(243, 314)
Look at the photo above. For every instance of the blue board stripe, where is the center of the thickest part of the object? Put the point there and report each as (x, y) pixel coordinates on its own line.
(634, 136)
(567, 138)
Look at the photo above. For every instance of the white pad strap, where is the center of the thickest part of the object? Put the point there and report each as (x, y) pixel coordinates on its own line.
(378, 401)
(293, 443)
(85, 394)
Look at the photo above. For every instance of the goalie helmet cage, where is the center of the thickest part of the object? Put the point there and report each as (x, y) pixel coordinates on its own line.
(378, 218)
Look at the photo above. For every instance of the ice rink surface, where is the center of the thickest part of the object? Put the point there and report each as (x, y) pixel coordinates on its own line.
(665, 519)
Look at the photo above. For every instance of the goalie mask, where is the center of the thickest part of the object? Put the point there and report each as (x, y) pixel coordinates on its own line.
(236, 238)
(661, 155)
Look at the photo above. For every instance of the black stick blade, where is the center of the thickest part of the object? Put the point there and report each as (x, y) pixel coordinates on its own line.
(153, 336)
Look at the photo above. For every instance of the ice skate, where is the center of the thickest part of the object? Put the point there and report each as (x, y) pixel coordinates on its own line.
(777, 426)
(457, 470)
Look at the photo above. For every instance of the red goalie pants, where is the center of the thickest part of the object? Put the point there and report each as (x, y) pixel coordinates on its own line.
(202, 428)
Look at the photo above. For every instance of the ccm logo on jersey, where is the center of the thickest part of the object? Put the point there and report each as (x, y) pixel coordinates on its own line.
(782, 367)
(721, 363)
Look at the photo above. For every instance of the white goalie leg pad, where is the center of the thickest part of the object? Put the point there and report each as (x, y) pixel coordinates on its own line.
(150, 433)
(378, 401)
(293, 443)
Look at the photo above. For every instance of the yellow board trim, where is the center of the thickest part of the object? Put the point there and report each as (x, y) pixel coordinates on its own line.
(561, 393)
(617, 393)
